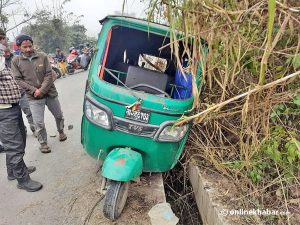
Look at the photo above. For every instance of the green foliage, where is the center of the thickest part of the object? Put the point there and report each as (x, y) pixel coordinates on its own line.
(297, 100)
(257, 172)
(50, 31)
(282, 148)
(296, 61)
(287, 113)
(278, 151)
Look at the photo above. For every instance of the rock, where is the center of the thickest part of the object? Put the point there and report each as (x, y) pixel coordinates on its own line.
(162, 214)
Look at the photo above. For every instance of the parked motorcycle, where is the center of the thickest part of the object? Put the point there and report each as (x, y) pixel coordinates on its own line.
(73, 62)
(76, 61)
(54, 66)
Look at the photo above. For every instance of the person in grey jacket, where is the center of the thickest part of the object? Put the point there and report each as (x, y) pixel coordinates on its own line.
(33, 73)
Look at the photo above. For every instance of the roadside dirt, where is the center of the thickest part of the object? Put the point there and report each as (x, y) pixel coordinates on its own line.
(85, 207)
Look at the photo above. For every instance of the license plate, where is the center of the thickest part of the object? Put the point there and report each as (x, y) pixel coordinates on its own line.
(138, 115)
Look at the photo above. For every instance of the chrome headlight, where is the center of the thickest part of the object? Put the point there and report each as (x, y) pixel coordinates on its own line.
(173, 133)
(97, 115)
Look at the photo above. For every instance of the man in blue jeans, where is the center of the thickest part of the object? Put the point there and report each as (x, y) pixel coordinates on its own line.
(33, 74)
(12, 129)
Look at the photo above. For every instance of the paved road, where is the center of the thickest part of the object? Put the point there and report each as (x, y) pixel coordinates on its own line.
(70, 177)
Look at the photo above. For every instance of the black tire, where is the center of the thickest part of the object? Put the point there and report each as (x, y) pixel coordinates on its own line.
(58, 72)
(70, 69)
(115, 199)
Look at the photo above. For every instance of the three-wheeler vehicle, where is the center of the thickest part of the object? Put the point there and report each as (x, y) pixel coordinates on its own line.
(132, 101)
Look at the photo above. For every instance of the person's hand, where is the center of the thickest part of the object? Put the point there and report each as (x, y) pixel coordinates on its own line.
(38, 93)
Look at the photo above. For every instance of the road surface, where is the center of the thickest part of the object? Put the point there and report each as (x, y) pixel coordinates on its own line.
(70, 177)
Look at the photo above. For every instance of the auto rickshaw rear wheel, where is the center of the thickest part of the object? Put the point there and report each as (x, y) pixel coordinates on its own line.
(115, 199)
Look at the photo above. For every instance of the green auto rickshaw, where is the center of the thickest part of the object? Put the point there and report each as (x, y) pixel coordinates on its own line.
(134, 95)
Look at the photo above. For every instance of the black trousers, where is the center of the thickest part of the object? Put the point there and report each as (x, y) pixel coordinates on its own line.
(13, 138)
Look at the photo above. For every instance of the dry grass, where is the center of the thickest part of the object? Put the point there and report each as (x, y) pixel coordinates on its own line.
(248, 47)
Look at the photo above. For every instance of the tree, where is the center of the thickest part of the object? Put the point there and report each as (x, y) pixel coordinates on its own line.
(56, 28)
(4, 17)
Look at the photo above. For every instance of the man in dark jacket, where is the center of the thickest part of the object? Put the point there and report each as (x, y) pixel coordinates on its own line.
(12, 130)
(33, 73)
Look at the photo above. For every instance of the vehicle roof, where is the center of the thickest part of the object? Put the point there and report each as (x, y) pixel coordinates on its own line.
(133, 20)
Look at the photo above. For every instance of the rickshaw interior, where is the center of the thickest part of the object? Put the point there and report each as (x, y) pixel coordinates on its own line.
(143, 62)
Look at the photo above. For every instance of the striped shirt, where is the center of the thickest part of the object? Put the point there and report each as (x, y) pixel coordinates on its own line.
(9, 90)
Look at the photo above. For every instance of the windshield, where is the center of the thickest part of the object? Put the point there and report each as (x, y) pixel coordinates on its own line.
(141, 61)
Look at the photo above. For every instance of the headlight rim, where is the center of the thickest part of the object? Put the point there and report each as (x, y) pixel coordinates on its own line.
(102, 107)
(163, 126)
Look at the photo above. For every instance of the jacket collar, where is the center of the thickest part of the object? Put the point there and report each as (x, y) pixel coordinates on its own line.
(34, 55)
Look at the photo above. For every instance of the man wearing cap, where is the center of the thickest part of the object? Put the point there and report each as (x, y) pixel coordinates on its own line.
(12, 129)
(33, 73)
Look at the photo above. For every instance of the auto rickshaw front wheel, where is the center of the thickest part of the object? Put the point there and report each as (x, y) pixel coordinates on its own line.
(115, 199)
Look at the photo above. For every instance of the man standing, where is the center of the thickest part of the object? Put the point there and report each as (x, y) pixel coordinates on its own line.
(12, 129)
(33, 73)
(60, 57)
(23, 101)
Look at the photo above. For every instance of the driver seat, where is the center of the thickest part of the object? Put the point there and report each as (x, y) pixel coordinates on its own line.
(137, 75)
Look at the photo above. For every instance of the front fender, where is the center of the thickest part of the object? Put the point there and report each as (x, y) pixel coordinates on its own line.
(122, 164)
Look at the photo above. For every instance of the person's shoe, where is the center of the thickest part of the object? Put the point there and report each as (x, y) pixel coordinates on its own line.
(62, 136)
(45, 148)
(30, 169)
(30, 185)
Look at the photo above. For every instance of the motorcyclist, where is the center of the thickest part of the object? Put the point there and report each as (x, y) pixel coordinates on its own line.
(80, 49)
(74, 52)
(85, 57)
(71, 48)
(61, 59)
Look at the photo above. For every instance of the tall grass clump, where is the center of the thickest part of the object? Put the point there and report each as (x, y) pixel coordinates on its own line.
(247, 122)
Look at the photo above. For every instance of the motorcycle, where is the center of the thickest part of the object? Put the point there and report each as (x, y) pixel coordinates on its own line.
(76, 61)
(73, 62)
(54, 66)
